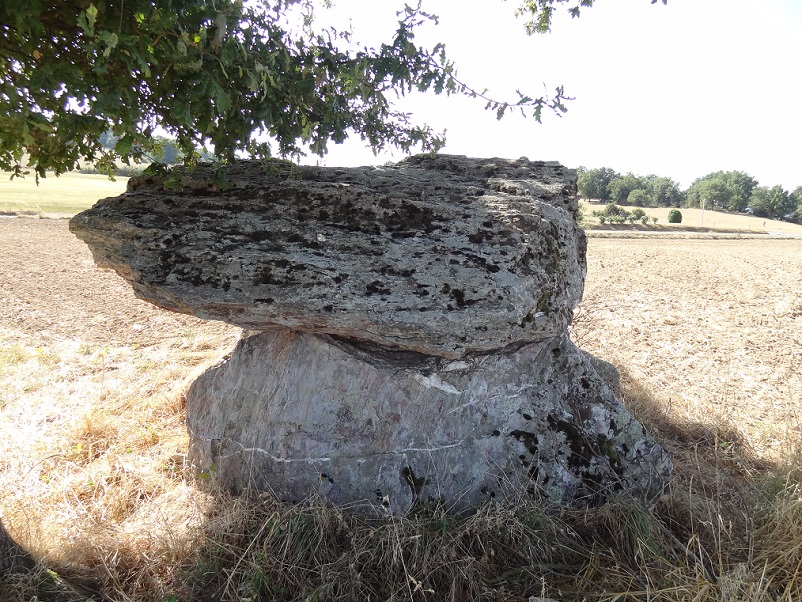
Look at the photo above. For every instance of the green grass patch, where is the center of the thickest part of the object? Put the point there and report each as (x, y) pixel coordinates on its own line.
(62, 196)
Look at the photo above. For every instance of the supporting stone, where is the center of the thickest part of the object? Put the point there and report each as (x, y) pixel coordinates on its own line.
(297, 414)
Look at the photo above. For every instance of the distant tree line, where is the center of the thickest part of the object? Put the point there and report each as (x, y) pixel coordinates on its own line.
(721, 190)
(164, 150)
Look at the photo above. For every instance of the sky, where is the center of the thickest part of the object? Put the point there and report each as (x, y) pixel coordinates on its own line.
(678, 90)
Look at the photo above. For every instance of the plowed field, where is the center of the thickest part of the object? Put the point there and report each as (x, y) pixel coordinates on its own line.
(713, 326)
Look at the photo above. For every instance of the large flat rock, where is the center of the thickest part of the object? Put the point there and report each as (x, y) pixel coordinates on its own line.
(442, 255)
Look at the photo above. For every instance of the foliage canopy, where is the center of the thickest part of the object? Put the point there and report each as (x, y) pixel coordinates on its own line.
(606, 184)
(773, 202)
(728, 190)
(225, 73)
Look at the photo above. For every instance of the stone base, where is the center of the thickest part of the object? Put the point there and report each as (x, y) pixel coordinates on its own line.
(299, 414)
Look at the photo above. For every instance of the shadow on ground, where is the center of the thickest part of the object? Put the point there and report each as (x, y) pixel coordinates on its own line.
(697, 537)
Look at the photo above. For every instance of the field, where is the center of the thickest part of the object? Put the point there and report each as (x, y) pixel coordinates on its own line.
(707, 335)
(697, 221)
(55, 197)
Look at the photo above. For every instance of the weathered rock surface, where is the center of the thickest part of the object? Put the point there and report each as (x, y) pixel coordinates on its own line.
(297, 413)
(443, 255)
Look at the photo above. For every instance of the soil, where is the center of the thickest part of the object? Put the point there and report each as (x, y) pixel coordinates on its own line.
(713, 327)
(50, 290)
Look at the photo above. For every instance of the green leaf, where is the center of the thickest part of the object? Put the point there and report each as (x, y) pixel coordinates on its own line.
(222, 100)
(110, 39)
(87, 20)
(124, 145)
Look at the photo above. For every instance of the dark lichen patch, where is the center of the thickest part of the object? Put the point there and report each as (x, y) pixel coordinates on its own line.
(265, 276)
(586, 454)
(421, 290)
(543, 302)
(415, 483)
(480, 261)
(195, 276)
(582, 453)
(528, 439)
(607, 448)
(258, 236)
(381, 498)
(388, 270)
(376, 288)
(409, 217)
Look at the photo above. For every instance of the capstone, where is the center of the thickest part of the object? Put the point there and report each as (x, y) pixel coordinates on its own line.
(442, 255)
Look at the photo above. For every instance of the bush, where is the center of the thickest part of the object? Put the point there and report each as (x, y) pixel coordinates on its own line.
(654, 220)
(644, 220)
(613, 210)
(674, 216)
(638, 214)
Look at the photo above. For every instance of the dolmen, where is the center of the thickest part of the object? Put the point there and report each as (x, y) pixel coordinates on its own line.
(405, 330)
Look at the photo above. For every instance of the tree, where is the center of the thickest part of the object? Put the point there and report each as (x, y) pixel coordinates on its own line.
(729, 190)
(796, 215)
(619, 188)
(675, 216)
(592, 183)
(639, 198)
(539, 12)
(773, 202)
(219, 73)
(663, 192)
(741, 186)
(711, 192)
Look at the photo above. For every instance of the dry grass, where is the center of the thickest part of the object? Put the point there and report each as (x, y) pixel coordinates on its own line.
(93, 479)
(64, 196)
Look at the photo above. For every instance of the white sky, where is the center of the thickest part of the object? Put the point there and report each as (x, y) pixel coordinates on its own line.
(679, 90)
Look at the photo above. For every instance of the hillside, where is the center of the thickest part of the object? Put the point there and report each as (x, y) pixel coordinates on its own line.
(693, 220)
